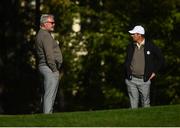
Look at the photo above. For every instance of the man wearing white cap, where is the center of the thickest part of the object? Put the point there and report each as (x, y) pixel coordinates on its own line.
(143, 61)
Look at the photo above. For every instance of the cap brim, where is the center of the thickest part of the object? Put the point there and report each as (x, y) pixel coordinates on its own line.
(131, 31)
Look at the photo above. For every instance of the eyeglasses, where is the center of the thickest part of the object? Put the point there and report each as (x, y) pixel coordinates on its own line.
(135, 34)
(51, 22)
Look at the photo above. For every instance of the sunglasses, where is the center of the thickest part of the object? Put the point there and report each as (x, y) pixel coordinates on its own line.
(135, 34)
(51, 22)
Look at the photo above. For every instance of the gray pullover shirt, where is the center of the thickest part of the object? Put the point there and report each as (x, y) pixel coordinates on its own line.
(48, 51)
(138, 61)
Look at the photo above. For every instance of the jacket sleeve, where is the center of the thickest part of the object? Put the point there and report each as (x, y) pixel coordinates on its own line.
(160, 61)
(129, 52)
(48, 50)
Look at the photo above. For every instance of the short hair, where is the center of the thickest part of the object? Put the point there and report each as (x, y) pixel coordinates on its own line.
(44, 18)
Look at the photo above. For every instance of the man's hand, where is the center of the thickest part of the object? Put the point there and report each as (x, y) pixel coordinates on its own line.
(152, 76)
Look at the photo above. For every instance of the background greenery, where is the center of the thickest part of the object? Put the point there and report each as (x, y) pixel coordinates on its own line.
(92, 75)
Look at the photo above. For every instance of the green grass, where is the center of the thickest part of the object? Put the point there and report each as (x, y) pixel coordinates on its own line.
(153, 117)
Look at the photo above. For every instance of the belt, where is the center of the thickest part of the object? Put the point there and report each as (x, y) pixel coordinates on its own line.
(138, 76)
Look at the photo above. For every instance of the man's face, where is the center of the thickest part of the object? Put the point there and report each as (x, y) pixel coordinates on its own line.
(136, 37)
(49, 25)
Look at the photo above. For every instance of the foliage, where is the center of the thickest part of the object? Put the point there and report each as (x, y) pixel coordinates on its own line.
(92, 75)
(98, 75)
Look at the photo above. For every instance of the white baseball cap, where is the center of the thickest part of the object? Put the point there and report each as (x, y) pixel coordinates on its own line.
(137, 29)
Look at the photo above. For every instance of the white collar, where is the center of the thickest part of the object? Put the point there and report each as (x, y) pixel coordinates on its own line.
(140, 44)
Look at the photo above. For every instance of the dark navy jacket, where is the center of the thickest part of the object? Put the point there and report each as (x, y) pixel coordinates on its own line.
(153, 60)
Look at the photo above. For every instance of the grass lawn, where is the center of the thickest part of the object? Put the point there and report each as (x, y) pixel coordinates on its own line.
(159, 116)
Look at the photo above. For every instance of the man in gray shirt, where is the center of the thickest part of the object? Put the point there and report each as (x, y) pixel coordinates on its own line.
(49, 60)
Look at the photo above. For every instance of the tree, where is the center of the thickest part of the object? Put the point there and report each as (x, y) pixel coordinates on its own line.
(93, 55)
